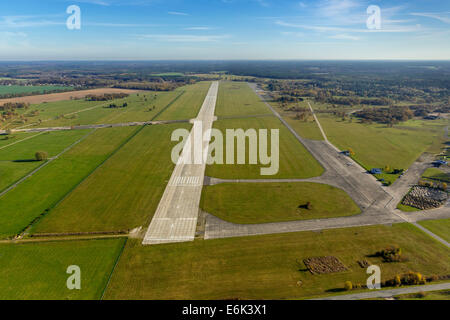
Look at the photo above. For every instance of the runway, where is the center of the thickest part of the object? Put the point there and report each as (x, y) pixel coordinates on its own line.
(175, 219)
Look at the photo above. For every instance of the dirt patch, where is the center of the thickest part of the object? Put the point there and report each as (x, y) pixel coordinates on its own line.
(322, 265)
(53, 97)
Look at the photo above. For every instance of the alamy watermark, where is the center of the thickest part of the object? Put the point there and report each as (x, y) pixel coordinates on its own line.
(74, 280)
(196, 147)
(374, 281)
(374, 20)
(74, 20)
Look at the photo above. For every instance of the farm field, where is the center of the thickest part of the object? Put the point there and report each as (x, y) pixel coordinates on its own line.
(247, 203)
(238, 99)
(189, 103)
(123, 194)
(439, 227)
(268, 267)
(14, 89)
(48, 186)
(295, 160)
(54, 97)
(376, 146)
(38, 270)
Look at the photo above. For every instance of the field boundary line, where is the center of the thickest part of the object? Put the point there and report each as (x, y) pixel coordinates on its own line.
(51, 207)
(28, 138)
(29, 175)
(114, 268)
(167, 106)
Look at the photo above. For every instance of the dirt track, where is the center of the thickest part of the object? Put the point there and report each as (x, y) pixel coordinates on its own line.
(53, 97)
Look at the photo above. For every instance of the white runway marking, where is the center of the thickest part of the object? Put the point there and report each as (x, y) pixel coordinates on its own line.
(175, 219)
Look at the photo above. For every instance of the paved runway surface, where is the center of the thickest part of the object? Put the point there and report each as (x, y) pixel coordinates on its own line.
(175, 219)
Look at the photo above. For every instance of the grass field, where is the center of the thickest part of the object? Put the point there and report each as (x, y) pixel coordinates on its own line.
(189, 104)
(238, 99)
(30, 89)
(248, 203)
(439, 227)
(11, 171)
(307, 129)
(376, 145)
(33, 197)
(435, 174)
(268, 267)
(51, 142)
(295, 160)
(141, 107)
(123, 193)
(38, 270)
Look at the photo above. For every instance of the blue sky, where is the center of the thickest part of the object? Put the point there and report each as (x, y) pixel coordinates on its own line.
(224, 29)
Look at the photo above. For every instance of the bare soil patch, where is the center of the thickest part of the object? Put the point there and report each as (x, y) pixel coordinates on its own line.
(322, 265)
(53, 97)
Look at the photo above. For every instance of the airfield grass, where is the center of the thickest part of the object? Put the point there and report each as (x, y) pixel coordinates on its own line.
(123, 194)
(141, 107)
(439, 227)
(307, 128)
(188, 105)
(435, 174)
(38, 270)
(270, 266)
(51, 142)
(376, 145)
(238, 99)
(14, 89)
(29, 200)
(295, 160)
(247, 203)
(11, 171)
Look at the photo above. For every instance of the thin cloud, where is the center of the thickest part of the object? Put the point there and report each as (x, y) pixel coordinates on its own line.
(432, 16)
(176, 13)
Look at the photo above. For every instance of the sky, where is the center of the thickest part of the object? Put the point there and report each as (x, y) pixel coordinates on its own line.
(225, 30)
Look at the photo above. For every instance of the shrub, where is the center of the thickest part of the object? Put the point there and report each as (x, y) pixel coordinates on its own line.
(41, 155)
(397, 281)
(348, 285)
(413, 278)
(391, 254)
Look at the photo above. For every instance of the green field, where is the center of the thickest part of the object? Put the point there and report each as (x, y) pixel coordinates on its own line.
(11, 171)
(268, 267)
(376, 146)
(38, 270)
(307, 128)
(33, 197)
(238, 99)
(439, 227)
(51, 142)
(295, 160)
(141, 107)
(189, 104)
(124, 192)
(14, 89)
(434, 295)
(248, 203)
(435, 174)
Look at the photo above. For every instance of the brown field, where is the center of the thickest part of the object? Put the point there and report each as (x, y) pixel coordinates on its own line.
(53, 97)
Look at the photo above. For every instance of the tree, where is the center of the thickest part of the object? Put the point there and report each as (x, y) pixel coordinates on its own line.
(41, 156)
(348, 285)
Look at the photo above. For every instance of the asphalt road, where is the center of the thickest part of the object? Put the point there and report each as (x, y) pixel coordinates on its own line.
(389, 293)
